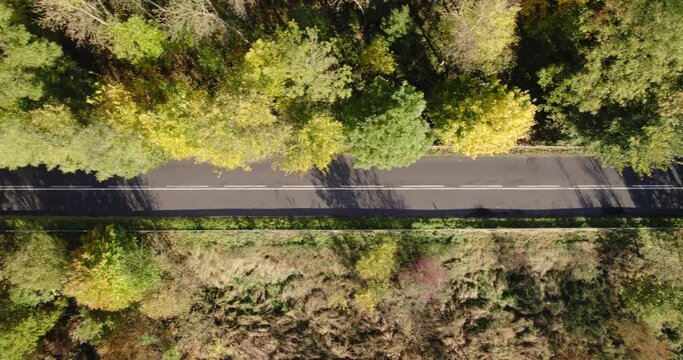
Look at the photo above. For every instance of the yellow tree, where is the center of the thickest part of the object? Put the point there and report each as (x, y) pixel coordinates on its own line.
(477, 118)
(477, 34)
(316, 144)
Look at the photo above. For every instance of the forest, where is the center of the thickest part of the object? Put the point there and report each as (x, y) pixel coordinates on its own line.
(114, 293)
(119, 87)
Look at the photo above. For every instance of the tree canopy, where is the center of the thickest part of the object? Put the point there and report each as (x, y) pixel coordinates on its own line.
(478, 118)
(387, 128)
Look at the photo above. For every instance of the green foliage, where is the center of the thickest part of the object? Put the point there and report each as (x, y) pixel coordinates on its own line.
(398, 23)
(387, 129)
(21, 329)
(110, 272)
(136, 40)
(21, 55)
(36, 269)
(296, 63)
(92, 327)
(377, 58)
(635, 51)
(480, 118)
(316, 144)
(613, 101)
(477, 34)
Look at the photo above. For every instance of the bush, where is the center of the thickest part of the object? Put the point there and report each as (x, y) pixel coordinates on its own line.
(110, 272)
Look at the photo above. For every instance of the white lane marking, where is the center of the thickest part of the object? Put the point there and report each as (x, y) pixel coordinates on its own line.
(422, 186)
(539, 186)
(70, 186)
(16, 186)
(302, 186)
(468, 188)
(362, 186)
(244, 186)
(481, 186)
(129, 186)
(187, 186)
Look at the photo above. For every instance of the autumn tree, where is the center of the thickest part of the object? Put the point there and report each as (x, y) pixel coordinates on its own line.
(35, 270)
(197, 19)
(386, 127)
(315, 145)
(476, 34)
(110, 271)
(474, 117)
(118, 26)
(297, 63)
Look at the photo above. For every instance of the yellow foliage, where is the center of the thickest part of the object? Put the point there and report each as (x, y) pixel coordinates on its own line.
(368, 299)
(490, 120)
(378, 264)
(377, 58)
(315, 145)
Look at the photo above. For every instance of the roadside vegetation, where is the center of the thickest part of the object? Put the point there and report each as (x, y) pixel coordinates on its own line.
(118, 87)
(115, 294)
(78, 223)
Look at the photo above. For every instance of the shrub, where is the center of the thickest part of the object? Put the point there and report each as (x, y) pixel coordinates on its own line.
(110, 272)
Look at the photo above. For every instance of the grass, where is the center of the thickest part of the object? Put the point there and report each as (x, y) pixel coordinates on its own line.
(329, 223)
(522, 150)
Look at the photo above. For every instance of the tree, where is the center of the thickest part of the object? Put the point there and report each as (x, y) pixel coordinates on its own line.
(296, 63)
(21, 329)
(613, 101)
(135, 40)
(83, 20)
(386, 127)
(633, 52)
(110, 271)
(397, 24)
(197, 19)
(231, 130)
(377, 57)
(316, 144)
(477, 34)
(21, 54)
(478, 118)
(36, 269)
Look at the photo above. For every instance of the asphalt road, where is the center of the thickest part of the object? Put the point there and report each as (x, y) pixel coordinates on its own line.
(434, 186)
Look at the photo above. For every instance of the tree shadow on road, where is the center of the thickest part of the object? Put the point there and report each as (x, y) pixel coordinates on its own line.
(341, 174)
(45, 196)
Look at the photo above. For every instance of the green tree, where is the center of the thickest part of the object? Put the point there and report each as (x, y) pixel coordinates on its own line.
(36, 269)
(398, 23)
(315, 145)
(477, 34)
(21, 329)
(634, 51)
(614, 101)
(296, 63)
(136, 40)
(54, 137)
(479, 118)
(21, 54)
(386, 127)
(110, 271)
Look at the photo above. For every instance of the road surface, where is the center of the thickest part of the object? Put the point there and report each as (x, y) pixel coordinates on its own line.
(434, 186)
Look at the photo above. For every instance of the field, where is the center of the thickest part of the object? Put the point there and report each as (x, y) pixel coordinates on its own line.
(494, 294)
